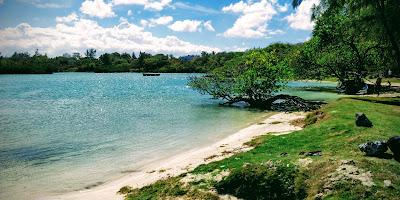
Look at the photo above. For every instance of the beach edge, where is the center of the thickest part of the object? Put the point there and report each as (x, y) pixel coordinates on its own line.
(276, 124)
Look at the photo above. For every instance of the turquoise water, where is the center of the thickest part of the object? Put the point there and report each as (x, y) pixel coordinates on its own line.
(322, 91)
(67, 131)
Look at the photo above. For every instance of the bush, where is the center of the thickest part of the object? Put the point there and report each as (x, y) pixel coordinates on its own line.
(265, 181)
(313, 118)
(161, 189)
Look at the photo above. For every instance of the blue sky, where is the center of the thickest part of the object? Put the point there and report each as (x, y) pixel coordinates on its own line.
(176, 27)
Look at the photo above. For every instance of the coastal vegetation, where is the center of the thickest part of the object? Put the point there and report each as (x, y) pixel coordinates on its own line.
(253, 78)
(352, 41)
(280, 161)
(24, 63)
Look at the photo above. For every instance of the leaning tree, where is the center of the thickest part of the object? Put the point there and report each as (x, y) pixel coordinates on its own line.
(254, 78)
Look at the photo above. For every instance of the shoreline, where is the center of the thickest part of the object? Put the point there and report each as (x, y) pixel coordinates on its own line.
(371, 81)
(187, 161)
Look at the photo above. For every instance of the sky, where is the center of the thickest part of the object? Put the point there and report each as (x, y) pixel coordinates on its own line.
(177, 27)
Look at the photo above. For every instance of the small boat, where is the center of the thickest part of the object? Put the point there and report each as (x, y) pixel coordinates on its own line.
(151, 74)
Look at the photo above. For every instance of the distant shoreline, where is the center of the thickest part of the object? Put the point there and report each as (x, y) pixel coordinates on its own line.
(187, 161)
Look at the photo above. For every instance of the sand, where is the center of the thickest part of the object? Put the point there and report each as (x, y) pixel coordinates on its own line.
(277, 124)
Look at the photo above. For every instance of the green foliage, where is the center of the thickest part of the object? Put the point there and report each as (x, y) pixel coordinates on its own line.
(352, 39)
(113, 62)
(253, 77)
(90, 53)
(21, 62)
(159, 190)
(337, 136)
(170, 188)
(262, 181)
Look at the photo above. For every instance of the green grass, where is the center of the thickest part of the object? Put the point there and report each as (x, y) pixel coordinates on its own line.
(393, 80)
(338, 138)
(263, 181)
(159, 190)
(169, 188)
(336, 135)
(384, 80)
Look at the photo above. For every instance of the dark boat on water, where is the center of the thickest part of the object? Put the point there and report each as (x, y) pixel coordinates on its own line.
(151, 74)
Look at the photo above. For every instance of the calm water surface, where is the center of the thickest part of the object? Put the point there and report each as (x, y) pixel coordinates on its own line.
(67, 131)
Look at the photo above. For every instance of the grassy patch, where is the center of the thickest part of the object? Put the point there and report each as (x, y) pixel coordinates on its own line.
(313, 118)
(338, 138)
(170, 188)
(335, 134)
(373, 80)
(257, 141)
(382, 100)
(263, 181)
(161, 189)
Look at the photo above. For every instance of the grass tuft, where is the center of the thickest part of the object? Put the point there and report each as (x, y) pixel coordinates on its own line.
(263, 181)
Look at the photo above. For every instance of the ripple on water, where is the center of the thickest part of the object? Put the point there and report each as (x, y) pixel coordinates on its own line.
(70, 131)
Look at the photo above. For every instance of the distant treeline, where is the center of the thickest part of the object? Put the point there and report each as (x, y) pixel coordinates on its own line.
(24, 63)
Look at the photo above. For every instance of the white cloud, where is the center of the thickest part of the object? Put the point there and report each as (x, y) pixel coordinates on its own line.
(148, 4)
(236, 8)
(1, 1)
(283, 8)
(208, 25)
(301, 18)
(67, 19)
(97, 8)
(186, 26)
(48, 3)
(253, 20)
(197, 8)
(164, 20)
(144, 23)
(276, 32)
(129, 13)
(85, 33)
(123, 20)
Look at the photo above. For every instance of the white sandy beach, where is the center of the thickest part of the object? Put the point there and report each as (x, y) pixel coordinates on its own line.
(277, 124)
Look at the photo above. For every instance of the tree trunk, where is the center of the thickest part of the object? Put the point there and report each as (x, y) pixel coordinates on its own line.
(288, 104)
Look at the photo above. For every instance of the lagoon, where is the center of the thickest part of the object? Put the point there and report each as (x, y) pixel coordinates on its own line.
(70, 131)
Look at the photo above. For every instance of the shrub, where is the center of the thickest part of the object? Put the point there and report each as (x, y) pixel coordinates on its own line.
(263, 181)
(161, 189)
(313, 117)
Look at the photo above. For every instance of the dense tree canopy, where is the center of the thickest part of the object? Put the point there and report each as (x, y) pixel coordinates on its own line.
(352, 39)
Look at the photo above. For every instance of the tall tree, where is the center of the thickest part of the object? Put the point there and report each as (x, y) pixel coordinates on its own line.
(90, 53)
(381, 17)
(346, 47)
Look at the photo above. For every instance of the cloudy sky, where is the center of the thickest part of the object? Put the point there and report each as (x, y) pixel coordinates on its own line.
(178, 27)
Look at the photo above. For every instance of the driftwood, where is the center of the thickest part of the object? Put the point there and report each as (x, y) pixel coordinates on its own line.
(281, 103)
(287, 103)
